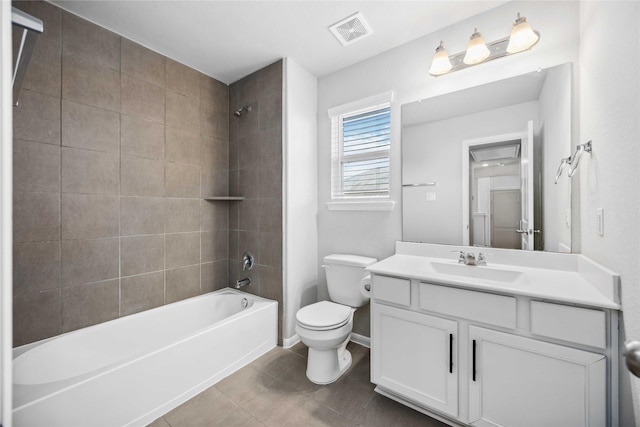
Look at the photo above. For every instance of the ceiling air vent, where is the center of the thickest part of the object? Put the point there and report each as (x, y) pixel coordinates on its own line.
(482, 154)
(351, 29)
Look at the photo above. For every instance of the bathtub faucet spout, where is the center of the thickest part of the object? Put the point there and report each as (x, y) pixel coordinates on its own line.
(243, 282)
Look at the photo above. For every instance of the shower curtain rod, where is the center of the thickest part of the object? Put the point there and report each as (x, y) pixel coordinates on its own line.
(31, 28)
(26, 21)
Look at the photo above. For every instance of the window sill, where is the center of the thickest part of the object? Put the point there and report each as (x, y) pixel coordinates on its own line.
(361, 205)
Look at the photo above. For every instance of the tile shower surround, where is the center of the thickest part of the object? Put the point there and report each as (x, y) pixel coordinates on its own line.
(255, 172)
(114, 146)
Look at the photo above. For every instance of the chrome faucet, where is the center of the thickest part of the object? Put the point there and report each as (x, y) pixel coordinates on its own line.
(482, 259)
(243, 282)
(469, 258)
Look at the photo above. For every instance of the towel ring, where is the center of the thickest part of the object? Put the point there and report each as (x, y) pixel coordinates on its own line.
(573, 161)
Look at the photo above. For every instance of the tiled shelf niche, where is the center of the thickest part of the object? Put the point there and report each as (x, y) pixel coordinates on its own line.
(224, 198)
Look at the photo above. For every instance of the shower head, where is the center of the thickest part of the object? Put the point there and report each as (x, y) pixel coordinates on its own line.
(239, 111)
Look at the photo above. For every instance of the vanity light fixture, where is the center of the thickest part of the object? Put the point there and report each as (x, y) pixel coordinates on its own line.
(522, 38)
(440, 64)
(477, 50)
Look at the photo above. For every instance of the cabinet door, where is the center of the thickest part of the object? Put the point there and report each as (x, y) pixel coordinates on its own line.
(415, 356)
(517, 381)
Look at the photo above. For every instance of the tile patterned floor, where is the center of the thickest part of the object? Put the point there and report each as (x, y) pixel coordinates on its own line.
(274, 391)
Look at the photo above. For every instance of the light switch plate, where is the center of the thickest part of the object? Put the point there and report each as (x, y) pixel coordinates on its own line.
(431, 196)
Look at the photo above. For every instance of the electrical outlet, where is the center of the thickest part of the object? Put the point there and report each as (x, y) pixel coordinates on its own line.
(567, 217)
(600, 220)
(431, 196)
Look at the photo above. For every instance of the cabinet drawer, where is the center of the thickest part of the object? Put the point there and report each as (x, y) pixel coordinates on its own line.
(574, 324)
(482, 307)
(392, 289)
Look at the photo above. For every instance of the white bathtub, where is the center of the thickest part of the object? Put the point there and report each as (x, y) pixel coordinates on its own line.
(130, 371)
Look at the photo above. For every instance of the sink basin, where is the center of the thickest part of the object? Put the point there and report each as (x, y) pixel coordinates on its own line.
(479, 272)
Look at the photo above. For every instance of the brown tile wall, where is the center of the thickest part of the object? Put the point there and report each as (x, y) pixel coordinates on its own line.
(255, 171)
(114, 146)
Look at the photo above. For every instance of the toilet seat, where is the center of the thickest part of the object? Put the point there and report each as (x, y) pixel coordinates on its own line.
(323, 315)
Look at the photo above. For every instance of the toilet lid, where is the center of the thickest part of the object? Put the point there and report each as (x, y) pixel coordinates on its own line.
(323, 315)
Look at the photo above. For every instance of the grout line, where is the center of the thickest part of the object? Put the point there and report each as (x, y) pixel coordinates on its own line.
(164, 160)
(120, 188)
(60, 178)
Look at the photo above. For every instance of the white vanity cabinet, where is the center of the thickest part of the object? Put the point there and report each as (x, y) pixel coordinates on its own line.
(478, 358)
(521, 381)
(418, 358)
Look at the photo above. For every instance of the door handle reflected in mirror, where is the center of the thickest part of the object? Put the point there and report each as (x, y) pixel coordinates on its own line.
(528, 231)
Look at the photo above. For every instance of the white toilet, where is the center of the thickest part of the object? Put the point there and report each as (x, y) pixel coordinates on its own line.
(325, 327)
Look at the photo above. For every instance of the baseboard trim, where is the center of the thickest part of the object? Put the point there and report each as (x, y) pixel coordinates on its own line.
(356, 338)
(361, 339)
(290, 342)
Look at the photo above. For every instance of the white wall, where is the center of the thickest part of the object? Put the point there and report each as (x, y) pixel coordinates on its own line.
(300, 197)
(6, 239)
(404, 70)
(610, 178)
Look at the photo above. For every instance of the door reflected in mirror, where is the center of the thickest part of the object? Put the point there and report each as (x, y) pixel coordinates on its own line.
(497, 192)
(478, 165)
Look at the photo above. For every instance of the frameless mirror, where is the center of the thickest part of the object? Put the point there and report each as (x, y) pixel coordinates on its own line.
(478, 165)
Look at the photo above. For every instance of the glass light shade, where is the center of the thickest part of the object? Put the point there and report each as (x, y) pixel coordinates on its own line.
(477, 50)
(522, 36)
(440, 63)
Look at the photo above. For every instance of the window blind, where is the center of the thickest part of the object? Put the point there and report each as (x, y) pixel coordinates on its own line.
(360, 152)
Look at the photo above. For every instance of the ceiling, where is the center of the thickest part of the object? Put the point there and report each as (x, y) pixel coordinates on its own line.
(228, 40)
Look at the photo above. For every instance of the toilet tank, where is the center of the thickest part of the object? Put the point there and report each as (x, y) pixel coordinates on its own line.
(344, 273)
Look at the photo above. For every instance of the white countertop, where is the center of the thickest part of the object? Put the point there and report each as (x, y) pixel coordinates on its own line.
(580, 281)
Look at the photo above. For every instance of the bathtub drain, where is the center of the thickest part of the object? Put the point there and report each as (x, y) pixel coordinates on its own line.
(244, 302)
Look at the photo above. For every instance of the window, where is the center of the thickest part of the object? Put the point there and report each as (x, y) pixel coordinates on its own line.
(361, 136)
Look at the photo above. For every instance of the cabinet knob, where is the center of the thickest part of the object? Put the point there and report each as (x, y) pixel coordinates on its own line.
(632, 356)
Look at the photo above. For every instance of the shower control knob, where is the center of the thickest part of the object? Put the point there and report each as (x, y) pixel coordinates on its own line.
(247, 261)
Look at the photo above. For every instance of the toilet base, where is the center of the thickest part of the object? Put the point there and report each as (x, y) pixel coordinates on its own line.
(326, 366)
